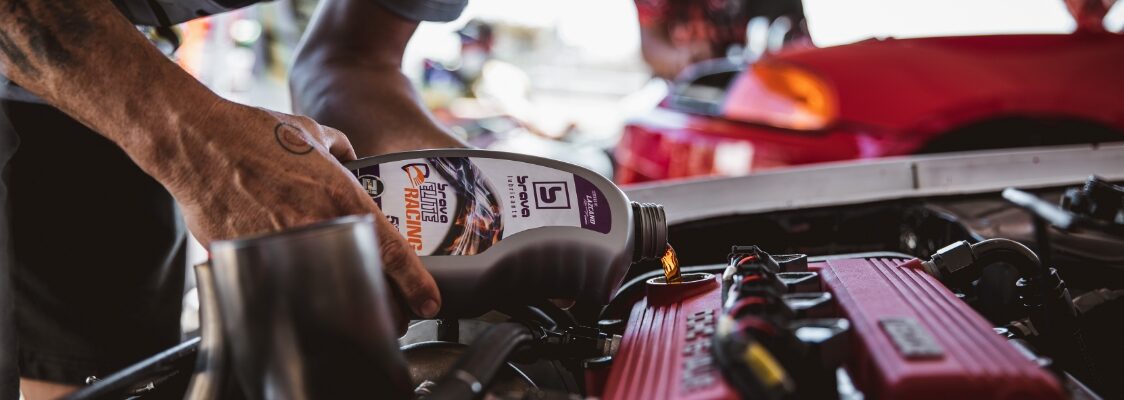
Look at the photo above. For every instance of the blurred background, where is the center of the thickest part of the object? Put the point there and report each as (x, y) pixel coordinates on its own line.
(650, 91)
(546, 77)
(581, 80)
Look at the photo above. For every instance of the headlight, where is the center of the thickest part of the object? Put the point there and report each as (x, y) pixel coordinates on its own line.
(781, 95)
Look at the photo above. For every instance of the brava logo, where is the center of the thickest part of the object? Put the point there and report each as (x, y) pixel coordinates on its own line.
(523, 198)
(552, 195)
(416, 172)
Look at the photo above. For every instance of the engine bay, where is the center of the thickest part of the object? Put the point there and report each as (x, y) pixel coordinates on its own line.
(929, 297)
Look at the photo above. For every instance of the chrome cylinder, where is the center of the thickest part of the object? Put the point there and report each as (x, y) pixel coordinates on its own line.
(307, 315)
(212, 378)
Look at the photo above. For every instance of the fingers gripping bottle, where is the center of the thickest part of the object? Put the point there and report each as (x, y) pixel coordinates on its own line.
(495, 227)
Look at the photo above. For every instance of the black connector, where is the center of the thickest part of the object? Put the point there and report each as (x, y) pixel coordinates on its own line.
(579, 343)
(962, 262)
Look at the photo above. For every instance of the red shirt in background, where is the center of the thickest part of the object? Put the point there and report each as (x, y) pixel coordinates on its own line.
(721, 23)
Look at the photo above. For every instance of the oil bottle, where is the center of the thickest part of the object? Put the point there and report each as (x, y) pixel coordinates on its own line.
(495, 227)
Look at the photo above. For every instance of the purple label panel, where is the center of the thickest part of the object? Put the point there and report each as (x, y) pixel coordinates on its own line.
(592, 206)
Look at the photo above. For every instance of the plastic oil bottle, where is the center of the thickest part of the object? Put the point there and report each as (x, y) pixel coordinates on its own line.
(495, 227)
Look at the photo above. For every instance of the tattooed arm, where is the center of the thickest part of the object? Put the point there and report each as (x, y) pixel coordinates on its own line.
(347, 74)
(236, 170)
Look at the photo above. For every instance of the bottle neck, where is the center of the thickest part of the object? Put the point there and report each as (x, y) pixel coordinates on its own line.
(649, 231)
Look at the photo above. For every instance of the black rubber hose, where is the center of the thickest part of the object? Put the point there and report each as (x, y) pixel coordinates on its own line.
(1022, 258)
(1048, 302)
(561, 318)
(530, 315)
(474, 371)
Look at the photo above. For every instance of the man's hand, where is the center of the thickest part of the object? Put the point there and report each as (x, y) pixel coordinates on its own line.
(236, 170)
(347, 74)
(263, 171)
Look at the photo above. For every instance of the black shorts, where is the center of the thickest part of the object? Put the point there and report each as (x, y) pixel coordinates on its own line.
(92, 249)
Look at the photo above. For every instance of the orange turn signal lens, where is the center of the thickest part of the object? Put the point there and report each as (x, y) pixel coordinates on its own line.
(781, 95)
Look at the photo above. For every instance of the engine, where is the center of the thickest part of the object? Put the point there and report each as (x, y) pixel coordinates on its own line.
(783, 326)
(968, 315)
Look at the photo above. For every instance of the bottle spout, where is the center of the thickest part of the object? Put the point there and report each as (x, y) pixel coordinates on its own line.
(650, 231)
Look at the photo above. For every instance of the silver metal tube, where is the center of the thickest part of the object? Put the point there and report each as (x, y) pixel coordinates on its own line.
(306, 313)
(212, 374)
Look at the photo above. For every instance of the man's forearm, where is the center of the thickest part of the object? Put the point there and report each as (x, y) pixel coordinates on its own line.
(86, 59)
(378, 109)
(347, 75)
(234, 170)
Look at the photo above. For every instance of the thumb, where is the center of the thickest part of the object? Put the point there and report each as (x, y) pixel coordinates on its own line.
(338, 145)
(406, 271)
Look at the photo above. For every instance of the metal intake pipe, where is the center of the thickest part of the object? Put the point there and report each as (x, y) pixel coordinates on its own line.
(306, 313)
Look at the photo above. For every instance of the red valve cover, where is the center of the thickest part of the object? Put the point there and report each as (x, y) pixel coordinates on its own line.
(913, 339)
(665, 351)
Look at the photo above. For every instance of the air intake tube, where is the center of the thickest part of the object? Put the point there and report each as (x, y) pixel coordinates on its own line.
(473, 372)
(1041, 289)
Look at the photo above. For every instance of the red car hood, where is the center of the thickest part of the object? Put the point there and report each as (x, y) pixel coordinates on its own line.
(929, 85)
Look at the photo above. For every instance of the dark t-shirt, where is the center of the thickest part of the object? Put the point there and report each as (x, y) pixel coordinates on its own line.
(41, 128)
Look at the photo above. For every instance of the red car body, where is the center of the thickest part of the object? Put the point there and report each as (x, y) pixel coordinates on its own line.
(896, 97)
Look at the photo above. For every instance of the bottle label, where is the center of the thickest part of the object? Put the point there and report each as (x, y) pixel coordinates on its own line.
(463, 205)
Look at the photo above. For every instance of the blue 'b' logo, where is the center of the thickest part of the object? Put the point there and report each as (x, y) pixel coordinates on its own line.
(550, 195)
